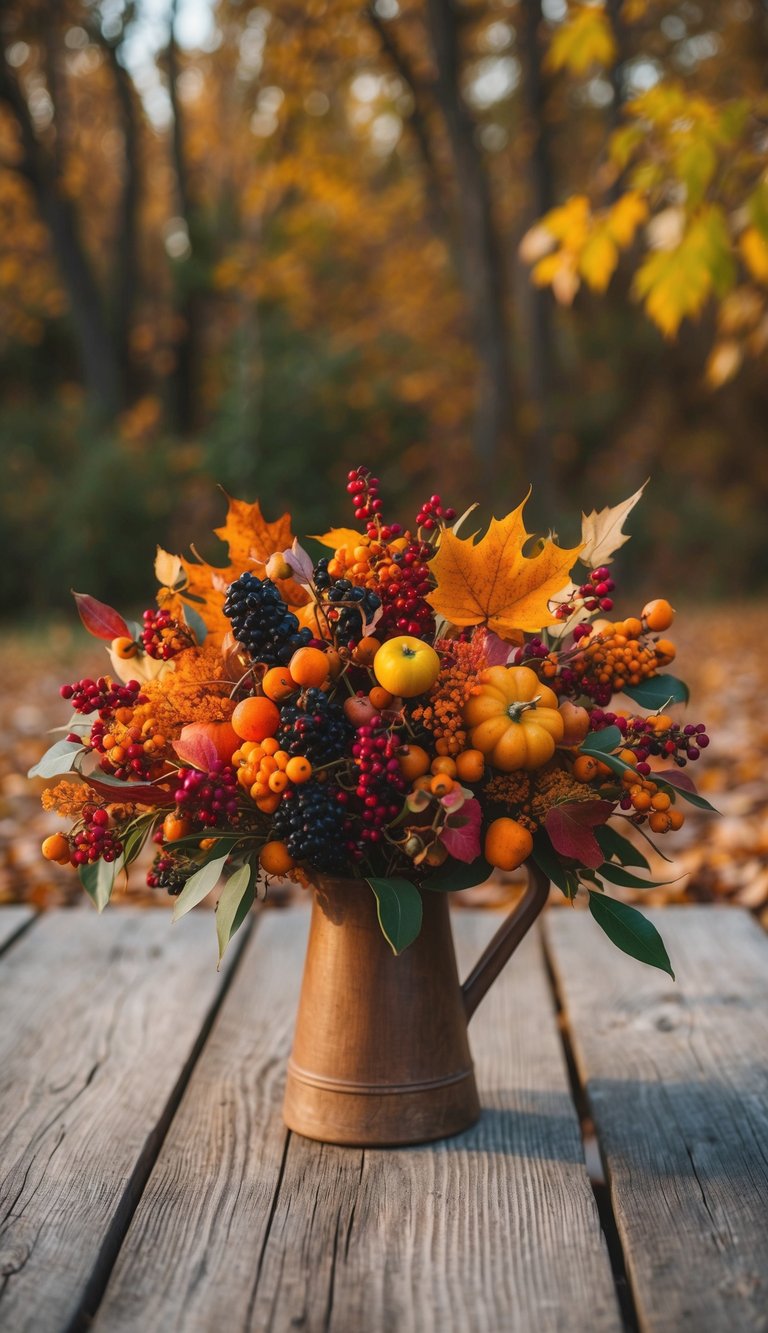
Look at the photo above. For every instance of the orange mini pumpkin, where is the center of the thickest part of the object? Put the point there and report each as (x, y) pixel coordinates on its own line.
(513, 718)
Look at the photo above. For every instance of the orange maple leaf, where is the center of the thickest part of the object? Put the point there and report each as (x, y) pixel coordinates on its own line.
(251, 540)
(491, 582)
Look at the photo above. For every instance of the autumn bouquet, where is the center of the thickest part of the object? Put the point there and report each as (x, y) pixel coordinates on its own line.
(412, 709)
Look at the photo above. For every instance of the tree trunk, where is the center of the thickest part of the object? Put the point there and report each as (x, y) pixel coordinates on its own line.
(185, 379)
(482, 270)
(535, 304)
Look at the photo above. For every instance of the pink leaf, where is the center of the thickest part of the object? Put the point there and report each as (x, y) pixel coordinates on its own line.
(197, 750)
(570, 825)
(495, 650)
(299, 562)
(99, 619)
(464, 843)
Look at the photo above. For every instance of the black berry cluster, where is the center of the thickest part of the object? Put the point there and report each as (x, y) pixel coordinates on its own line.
(170, 872)
(313, 727)
(261, 621)
(313, 823)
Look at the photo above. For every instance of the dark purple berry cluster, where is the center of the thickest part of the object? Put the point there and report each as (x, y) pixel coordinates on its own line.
(261, 621)
(313, 727)
(313, 822)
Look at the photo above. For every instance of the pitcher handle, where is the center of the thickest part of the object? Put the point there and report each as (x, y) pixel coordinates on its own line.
(506, 939)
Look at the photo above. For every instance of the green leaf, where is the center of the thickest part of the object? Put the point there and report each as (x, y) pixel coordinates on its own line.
(614, 844)
(681, 785)
(236, 901)
(458, 875)
(602, 742)
(657, 691)
(60, 758)
(399, 911)
(196, 623)
(630, 931)
(134, 840)
(618, 875)
(549, 862)
(98, 880)
(198, 886)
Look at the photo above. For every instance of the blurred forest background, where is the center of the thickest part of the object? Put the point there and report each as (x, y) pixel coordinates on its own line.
(255, 244)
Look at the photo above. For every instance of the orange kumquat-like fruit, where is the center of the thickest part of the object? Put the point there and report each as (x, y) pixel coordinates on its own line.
(275, 858)
(278, 683)
(309, 667)
(298, 769)
(256, 718)
(444, 764)
(585, 768)
(470, 765)
(413, 761)
(56, 848)
(381, 698)
(441, 784)
(658, 614)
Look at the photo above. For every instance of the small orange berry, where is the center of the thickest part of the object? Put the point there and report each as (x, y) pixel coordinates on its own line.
(444, 764)
(676, 819)
(278, 781)
(366, 650)
(441, 784)
(414, 761)
(174, 828)
(298, 769)
(380, 698)
(470, 765)
(56, 848)
(124, 648)
(659, 821)
(275, 859)
(658, 614)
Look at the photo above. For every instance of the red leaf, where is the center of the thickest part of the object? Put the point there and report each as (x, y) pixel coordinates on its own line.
(99, 619)
(197, 750)
(570, 829)
(131, 792)
(496, 651)
(464, 843)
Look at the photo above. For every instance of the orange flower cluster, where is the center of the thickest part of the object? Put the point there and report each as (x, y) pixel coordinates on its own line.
(553, 786)
(66, 798)
(442, 715)
(617, 661)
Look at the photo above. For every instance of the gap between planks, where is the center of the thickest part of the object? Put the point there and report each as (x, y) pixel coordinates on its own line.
(677, 1079)
(245, 1226)
(14, 921)
(110, 1016)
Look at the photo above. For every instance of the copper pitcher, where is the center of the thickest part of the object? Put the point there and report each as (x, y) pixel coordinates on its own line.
(380, 1052)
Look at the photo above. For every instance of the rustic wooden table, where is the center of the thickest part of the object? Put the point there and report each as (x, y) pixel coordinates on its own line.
(147, 1182)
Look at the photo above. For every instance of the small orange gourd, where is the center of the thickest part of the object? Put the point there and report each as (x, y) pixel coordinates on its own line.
(513, 718)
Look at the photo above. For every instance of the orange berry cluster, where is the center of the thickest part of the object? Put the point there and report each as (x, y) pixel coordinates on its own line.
(265, 771)
(646, 799)
(443, 714)
(615, 658)
(368, 565)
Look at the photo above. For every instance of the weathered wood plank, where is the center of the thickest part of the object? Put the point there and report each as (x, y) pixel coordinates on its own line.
(495, 1229)
(677, 1078)
(193, 1251)
(13, 919)
(101, 1019)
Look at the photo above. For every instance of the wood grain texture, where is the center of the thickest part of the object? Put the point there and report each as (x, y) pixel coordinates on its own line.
(677, 1078)
(101, 1017)
(244, 1227)
(13, 919)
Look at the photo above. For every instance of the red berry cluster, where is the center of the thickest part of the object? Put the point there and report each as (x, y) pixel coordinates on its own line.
(380, 781)
(209, 799)
(95, 840)
(593, 596)
(102, 695)
(677, 743)
(162, 636)
(364, 489)
(405, 610)
(432, 512)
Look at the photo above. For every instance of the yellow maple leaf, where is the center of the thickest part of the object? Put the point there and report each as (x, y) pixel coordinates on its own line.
(490, 582)
(251, 540)
(340, 539)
